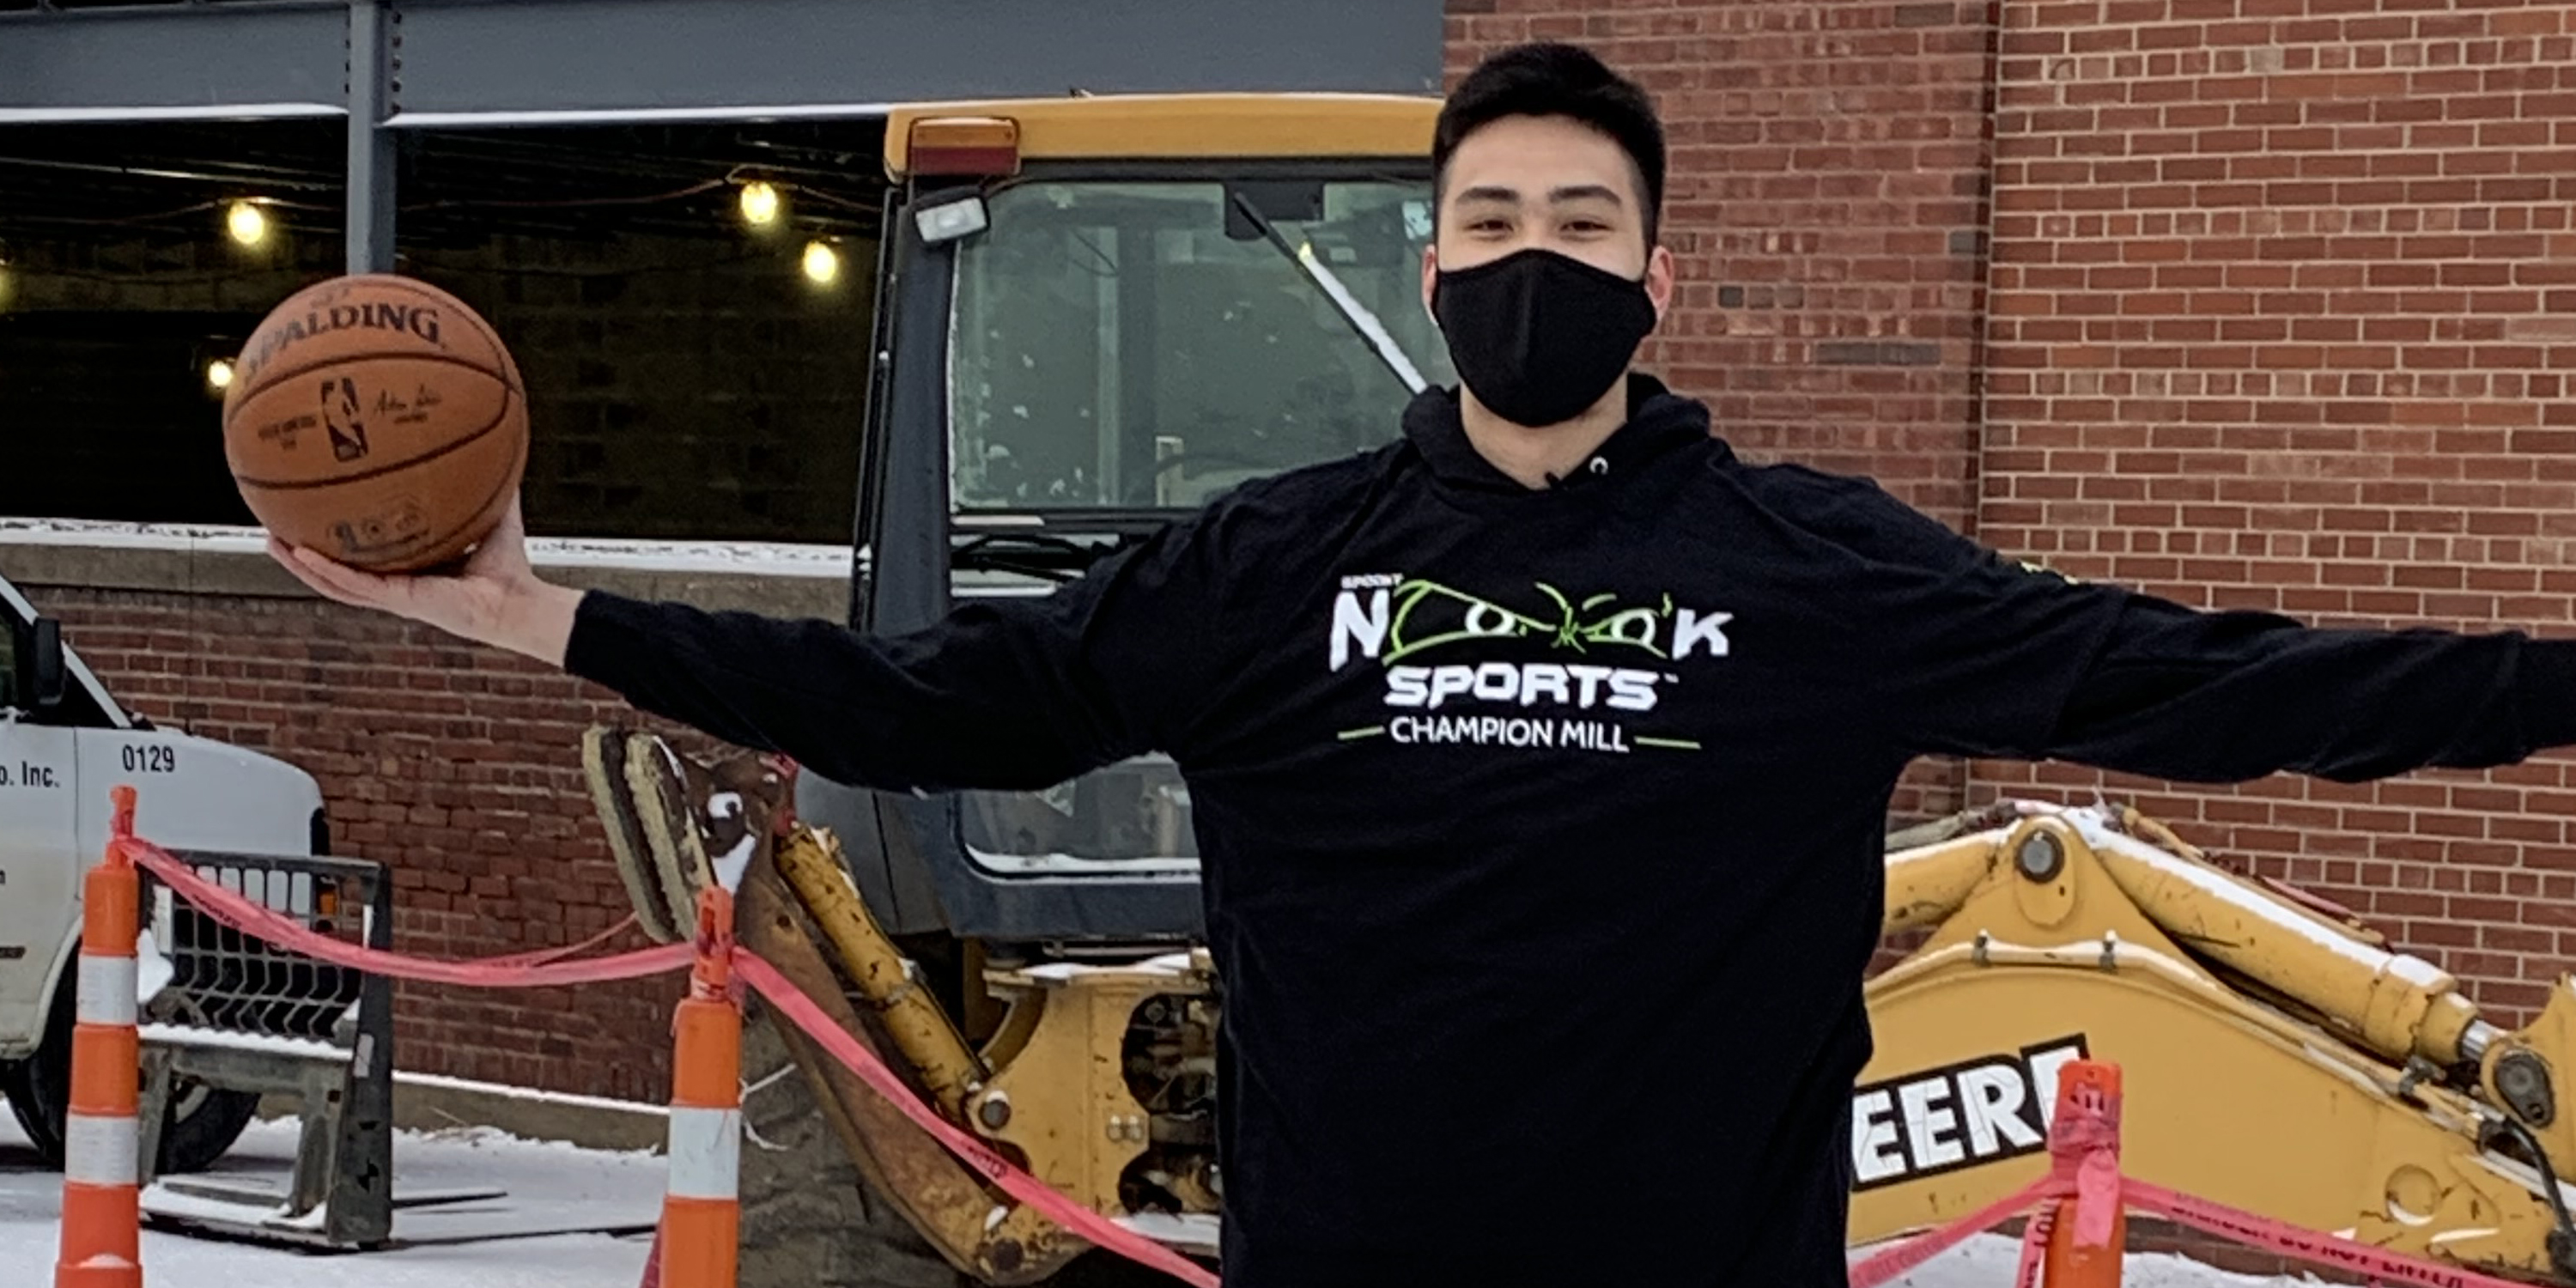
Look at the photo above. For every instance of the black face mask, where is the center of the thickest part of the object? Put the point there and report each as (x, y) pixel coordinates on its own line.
(1539, 337)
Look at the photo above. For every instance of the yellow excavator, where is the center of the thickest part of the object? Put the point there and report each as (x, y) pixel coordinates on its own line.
(1095, 313)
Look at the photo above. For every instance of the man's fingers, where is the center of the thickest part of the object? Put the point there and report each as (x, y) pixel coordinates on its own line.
(285, 555)
(339, 582)
(362, 587)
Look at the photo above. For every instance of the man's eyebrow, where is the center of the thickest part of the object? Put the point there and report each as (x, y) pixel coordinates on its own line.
(1490, 192)
(1585, 192)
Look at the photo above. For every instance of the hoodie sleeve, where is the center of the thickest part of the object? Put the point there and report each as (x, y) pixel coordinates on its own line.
(1001, 694)
(1993, 658)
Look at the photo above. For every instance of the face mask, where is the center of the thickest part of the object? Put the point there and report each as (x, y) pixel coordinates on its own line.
(1539, 337)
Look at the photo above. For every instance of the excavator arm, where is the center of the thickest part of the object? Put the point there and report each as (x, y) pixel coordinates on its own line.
(2276, 1058)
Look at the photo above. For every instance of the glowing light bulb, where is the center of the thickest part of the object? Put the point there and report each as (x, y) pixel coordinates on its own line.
(822, 263)
(759, 204)
(247, 223)
(219, 374)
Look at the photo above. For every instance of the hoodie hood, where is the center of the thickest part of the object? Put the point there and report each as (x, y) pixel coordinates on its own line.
(1659, 423)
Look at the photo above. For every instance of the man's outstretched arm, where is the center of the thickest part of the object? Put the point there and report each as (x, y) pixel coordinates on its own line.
(2231, 696)
(1016, 694)
(1989, 658)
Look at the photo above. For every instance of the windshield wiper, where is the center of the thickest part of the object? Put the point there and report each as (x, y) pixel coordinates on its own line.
(1362, 321)
(1032, 554)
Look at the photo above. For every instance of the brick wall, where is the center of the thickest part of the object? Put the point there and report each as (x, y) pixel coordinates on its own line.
(2282, 295)
(1827, 204)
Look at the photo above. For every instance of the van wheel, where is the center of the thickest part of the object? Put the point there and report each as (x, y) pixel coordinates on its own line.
(202, 1124)
(40, 1128)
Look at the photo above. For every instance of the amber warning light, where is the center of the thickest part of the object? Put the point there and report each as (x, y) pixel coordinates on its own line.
(966, 145)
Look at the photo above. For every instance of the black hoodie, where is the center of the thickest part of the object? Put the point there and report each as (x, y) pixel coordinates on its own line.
(1542, 827)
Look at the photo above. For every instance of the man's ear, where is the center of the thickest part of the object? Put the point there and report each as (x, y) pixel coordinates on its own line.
(1660, 269)
(1430, 277)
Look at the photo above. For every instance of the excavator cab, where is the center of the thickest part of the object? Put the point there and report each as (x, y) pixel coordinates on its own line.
(1094, 315)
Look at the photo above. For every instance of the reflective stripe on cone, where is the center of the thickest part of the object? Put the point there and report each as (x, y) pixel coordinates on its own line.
(706, 1153)
(101, 1151)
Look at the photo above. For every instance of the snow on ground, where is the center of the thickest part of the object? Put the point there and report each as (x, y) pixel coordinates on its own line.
(551, 1228)
(554, 1226)
(1988, 1261)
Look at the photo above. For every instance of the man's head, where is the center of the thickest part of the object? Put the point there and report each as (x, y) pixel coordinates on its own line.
(1542, 145)
(1544, 269)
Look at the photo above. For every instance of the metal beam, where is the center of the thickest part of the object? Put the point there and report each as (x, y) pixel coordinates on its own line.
(565, 60)
(502, 61)
(234, 60)
(371, 64)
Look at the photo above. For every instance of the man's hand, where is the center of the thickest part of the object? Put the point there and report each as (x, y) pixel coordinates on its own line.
(496, 598)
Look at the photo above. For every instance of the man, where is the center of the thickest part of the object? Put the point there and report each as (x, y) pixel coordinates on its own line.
(1541, 759)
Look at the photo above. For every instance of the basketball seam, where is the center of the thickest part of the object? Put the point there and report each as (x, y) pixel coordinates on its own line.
(381, 470)
(309, 368)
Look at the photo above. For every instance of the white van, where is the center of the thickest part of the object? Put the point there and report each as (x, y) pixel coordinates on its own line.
(64, 743)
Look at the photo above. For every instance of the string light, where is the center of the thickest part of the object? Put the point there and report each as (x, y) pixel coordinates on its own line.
(759, 203)
(219, 374)
(822, 263)
(247, 223)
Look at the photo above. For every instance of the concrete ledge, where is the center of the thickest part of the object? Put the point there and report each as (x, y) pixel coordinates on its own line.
(428, 1103)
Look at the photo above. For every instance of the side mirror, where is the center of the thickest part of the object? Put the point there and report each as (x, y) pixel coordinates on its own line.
(45, 673)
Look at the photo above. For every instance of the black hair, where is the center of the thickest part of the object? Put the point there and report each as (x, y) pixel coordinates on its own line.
(1552, 79)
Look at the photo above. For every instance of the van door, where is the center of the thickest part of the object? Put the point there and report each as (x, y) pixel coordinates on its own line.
(40, 866)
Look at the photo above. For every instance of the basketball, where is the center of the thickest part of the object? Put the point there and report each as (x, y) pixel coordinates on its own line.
(378, 420)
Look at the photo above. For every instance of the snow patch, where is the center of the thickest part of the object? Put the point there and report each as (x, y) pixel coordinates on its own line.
(731, 864)
(1170, 965)
(2254, 906)
(566, 1218)
(233, 1040)
(529, 1093)
(1182, 1231)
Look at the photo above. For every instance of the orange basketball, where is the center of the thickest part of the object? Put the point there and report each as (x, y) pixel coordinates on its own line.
(378, 420)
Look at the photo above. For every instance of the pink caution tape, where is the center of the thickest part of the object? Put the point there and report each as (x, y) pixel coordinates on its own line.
(2307, 1245)
(544, 956)
(2084, 1152)
(1056, 1206)
(2034, 1245)
(516, 971)
(1886, 1264)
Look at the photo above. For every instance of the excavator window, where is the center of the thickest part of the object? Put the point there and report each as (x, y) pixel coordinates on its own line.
(1146, 344)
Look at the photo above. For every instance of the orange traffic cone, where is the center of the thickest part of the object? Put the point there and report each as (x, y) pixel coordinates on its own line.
(702, 1210)
(102, 1238)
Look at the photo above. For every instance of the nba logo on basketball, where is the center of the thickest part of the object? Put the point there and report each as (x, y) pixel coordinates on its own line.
(340, 416)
